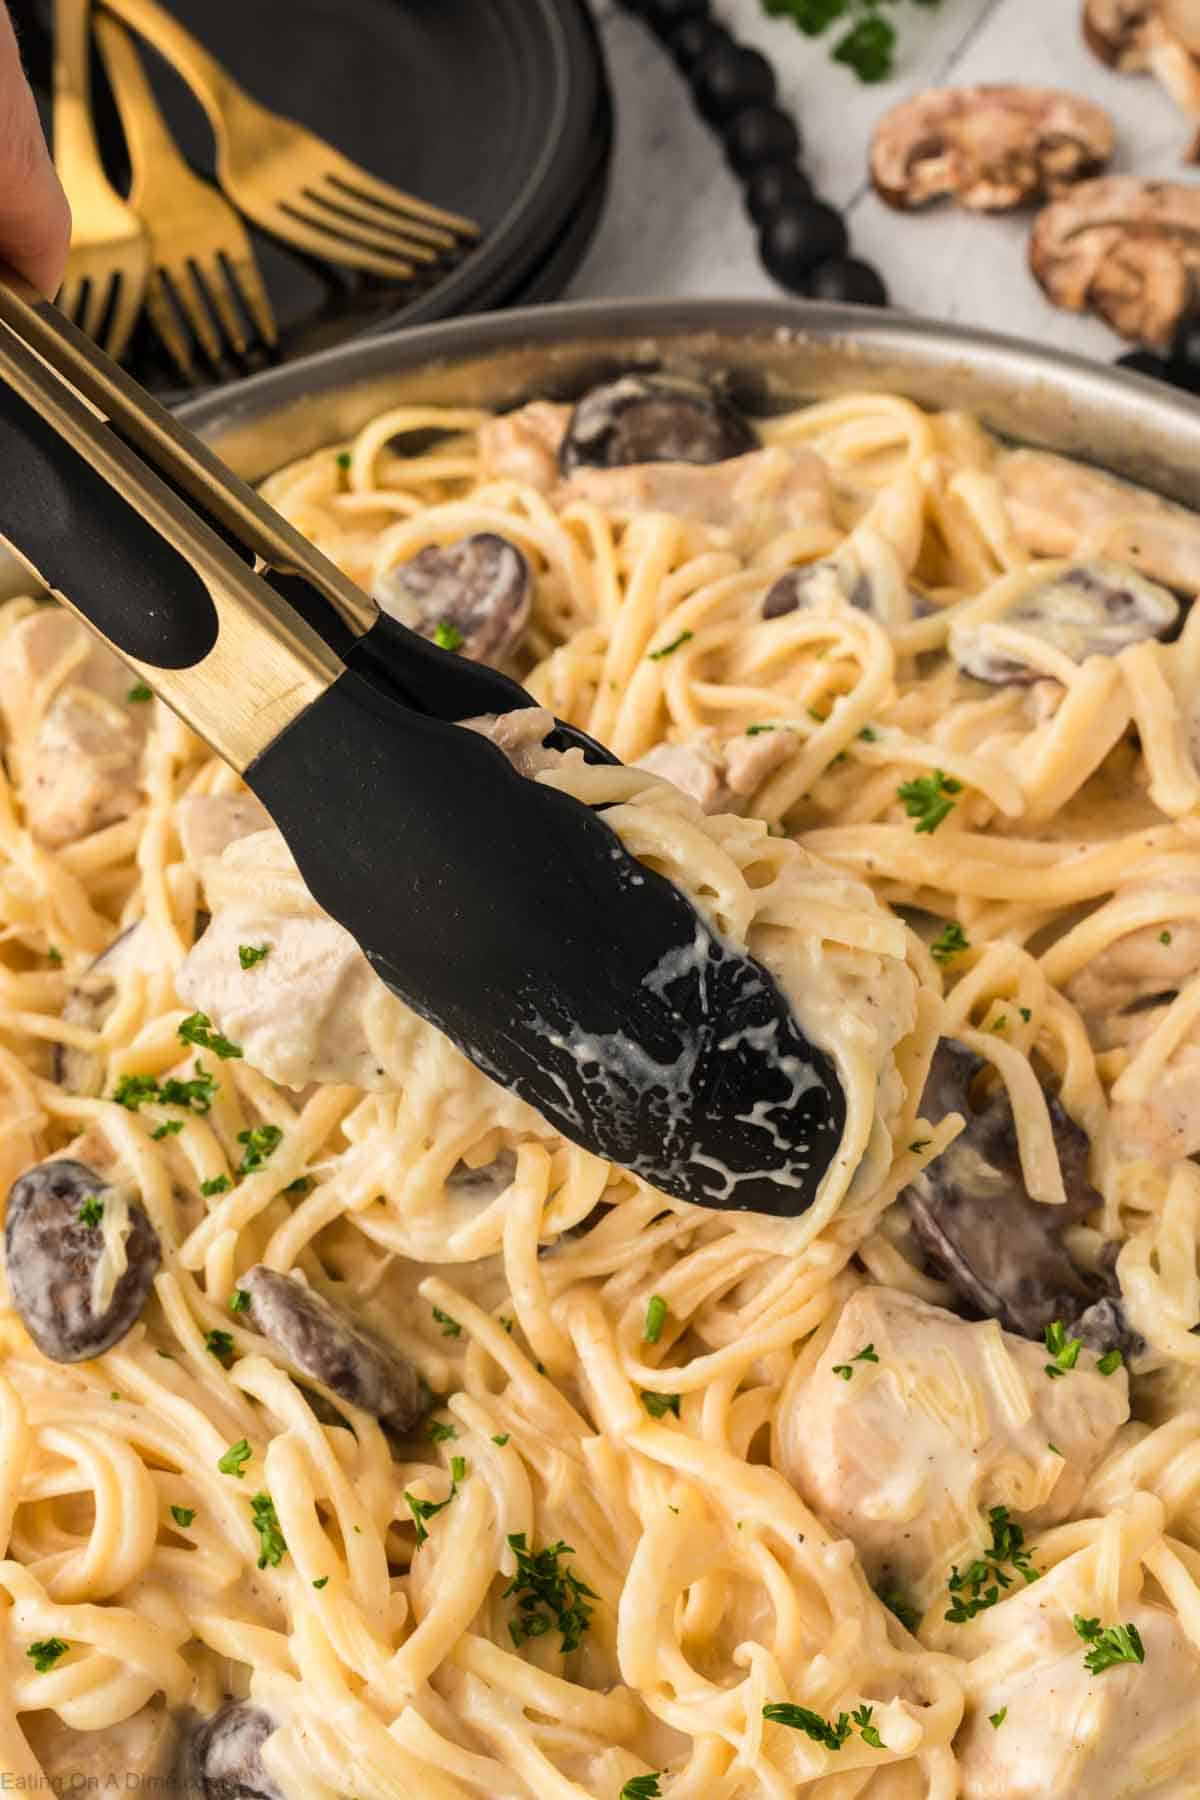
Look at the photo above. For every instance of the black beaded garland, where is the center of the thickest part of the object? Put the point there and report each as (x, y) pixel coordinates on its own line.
(664, 15)
(725, 81)
(798, 236)
(758, 135)
(773, 186)
(692, 40)
(1145, 362)
(845, 278)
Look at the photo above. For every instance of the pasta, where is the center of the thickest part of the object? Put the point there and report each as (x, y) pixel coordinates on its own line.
(663, 1499)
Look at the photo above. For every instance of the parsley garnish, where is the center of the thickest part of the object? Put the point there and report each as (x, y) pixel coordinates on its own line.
(271, 1541)
(233, 1459)
(1110, 1362)
(260, 1142)
(903, 1609)
(219, 1344)
(450, 1327)
(1164, 937)
(641, 1787)
(343, 459)
(183, 1515)
(996, 1720)
(55, 955)
(425, 1509)
(540, 1583)
(46, 1652)
(320, 1583)
(197, 1029)
(669, 649)
(501, 1438)
(926, 799)
(248, 955)
(868, 47)
(1001, 1023)
(757, 730)
(866, 1354)
(447, 636)
(869, 735)
(979, 1585)
(951, 940)
(138, 693)
(1063, 1349)
(133, 1091)
(658, 1404)
(239, 1300)
(439, 1433)
(656, 1318)
(868, 1732)
(1025, 1013)
(822, 1731)
(92, 1211)
(171, 1128)
(1115, 1644)
(1055, 1448)
(299, 1186)
(217, 1184)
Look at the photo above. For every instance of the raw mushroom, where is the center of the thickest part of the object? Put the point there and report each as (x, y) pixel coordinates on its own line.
(990, 147)
(226, 1755)
(1162, 36)
(334, 1348)
(1093, 608)
(1002, 1252)
(1126, 249)
(472, 595)
(89, 1003)
(54, 1260)
(652, 418)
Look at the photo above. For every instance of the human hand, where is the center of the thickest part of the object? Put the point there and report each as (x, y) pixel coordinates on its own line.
(35, 220)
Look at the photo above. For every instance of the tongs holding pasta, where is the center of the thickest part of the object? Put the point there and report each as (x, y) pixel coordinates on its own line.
(504, 911)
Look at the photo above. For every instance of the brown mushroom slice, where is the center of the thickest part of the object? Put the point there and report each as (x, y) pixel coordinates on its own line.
(991, 148)
(225, 1758)
(1126, 249)
(653, 418)
(1055, 505)
(1001, 1251)
(137, 1751)
(1161, 37)
(473, 595)
(832, 582)
(88, 1003)
(324, 1341)
(1093, 608)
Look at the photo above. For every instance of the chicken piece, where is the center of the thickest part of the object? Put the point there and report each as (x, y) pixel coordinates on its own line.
(742, 502)
(524, 445)
(1061, 508)
(75, 736)
(140, 1750)
(719, 775)
(1128, 1733)
(906, 1453)
(208, 822)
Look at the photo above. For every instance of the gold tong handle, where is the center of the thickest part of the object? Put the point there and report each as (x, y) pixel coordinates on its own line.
(211, 83)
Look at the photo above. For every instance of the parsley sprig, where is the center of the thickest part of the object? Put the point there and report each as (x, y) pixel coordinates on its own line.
(259, 1142)
(271, 1542)
(979, 1585)
(546, 1595)
(1110, 1646)
(928, 799)
(866, 1354)
(1063, 1349)
(868, 47)
(641, 1787)
(901, 1606)
(45, 1653)
(197, 1029)
(832, 1733)
(427, 1509)
(133, 1091)
(950, 941)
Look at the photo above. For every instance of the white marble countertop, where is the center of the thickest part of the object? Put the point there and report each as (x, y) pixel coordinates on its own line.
(674, 222)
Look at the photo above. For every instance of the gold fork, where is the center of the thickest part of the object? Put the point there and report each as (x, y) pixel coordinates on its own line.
(201, 261)
(106, 270)
(291, 182)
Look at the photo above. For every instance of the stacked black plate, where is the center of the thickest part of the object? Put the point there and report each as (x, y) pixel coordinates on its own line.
(499, 109)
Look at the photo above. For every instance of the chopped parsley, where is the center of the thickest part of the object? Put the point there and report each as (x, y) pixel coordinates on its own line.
(641, 1787)
(1110, 1362)
(343, 459)
(45, 1653)
(138, 693)
(869, 1733)
(656, 1318)
(426, 1509)
(1001, 1023)
(501, 1438)
(868, 46)
(1164, 937)
(447, 636)
(996, 1719)
(1025, 1013)
(239, 1301)
(249, 954)
(92, 1211)
(902, 1608)
(919, 1144)
(799, 1718)
(757, 730)
(927, 799)
(951, 941)
(439, 1433)
(1110, 1646)
(299, 1186)
(1063, 1349)
(869, 735)
(260, 1142)
(979, 1585)
(219, 1344)
(675, 644)
(183, 1515)
(320, 1582)
(216, 1184)
(133, 1091)
(1055, 1448)
(234, 1459)
(197, 1029)
(546, 1595)
(271, 1541)
(866, 1354)
(55, 955)
(171, 1128)
(450, 1327)
(659, 1404)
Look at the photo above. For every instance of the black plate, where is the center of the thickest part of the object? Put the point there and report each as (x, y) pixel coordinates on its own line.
(494, 108)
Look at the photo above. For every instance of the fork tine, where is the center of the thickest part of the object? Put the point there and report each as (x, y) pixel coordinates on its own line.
(67, 298)
(246, 282)
(211, 281)
(96, 292)
(165, 320)
(190, 298)
(337, 193)
(381, 193)
(317, 238)
(126, 306)
(346, 222)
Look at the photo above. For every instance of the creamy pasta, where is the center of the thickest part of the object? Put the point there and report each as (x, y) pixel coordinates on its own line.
(361, 1437)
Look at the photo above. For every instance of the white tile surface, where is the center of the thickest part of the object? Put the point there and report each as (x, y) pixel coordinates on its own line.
(674, 223)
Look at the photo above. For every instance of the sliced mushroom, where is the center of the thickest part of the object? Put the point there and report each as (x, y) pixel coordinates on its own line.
(1001, 1251)
(326, 1343)
(1054, 503)
(832, 582)
(226, 1755)
(208, 823)
(990, 147)
(653, 418)
(1161, 36)
(139, 1750)
(472, 596)
(65, 1273)
(1084, 609)
(89, 1003)
(1126, 249)
(488, 1181)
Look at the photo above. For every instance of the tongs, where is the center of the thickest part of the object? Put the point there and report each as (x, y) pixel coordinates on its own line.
(507, 913)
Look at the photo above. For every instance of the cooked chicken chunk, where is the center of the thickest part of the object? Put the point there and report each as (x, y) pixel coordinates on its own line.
(720, 775)
(1063, 508)
(139, 1750)
(75, 736)
(906, 1454)
(1127, 1733)
(523, 445)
